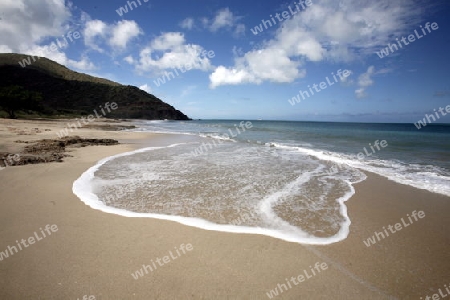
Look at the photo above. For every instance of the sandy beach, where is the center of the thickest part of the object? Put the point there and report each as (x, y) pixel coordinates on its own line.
(93, 254)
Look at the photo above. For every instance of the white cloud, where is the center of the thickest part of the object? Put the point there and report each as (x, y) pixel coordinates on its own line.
(5, 49)
(225, 19)
(364, 80)
(60, 57)
(123, 32)
(83, 64)
(169, 51)
(187, 23)
(27, 22)
(30, 27)
(225, 75)
(257, 66)
(328, 30)
(95, 29)
(118, 35)
(239, 30)
(129, 59)
(146, 88)
(347, 81)
(360, 93)
(204, 21)
(168, 41)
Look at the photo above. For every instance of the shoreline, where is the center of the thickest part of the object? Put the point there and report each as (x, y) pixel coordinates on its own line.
(94, 253)
(80, 185)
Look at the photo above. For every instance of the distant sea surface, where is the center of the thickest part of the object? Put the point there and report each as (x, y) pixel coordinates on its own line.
(288, 180)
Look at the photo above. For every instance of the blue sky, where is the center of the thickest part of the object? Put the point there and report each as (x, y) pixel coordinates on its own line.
(248, 75)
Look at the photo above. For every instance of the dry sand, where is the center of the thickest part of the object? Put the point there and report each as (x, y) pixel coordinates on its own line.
(94, 253)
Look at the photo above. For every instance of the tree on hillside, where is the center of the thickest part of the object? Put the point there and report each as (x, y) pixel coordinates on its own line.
(14, 98)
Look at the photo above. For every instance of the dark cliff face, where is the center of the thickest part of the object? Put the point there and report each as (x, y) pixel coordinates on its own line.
(65, 92)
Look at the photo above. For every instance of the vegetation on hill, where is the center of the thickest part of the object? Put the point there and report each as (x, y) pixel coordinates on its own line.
(47, 88)
(14, 98)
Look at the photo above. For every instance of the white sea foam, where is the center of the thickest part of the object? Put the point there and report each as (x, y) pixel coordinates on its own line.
(283, 191)
(217, 136)
(407, 174)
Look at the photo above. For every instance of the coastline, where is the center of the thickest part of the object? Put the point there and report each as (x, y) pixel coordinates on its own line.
(94, 253)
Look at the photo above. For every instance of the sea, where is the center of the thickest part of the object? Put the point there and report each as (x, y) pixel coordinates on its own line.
(284, 179)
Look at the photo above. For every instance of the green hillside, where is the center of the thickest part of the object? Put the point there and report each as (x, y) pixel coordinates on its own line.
(54, 90)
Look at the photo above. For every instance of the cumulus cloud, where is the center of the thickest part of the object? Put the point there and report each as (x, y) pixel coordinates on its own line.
(123, 32)
(328, 30)
(187, 23)
(239, 30)
(27, 22)
(257, 66)
(94, 31)
(30, 27)
(117, 36)
(5, 49)
(347, 81)
(169, 51)
(146, 88)
(168, 41)
(129, 59)
(60, 57)
(225, 19)
(364, 80)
